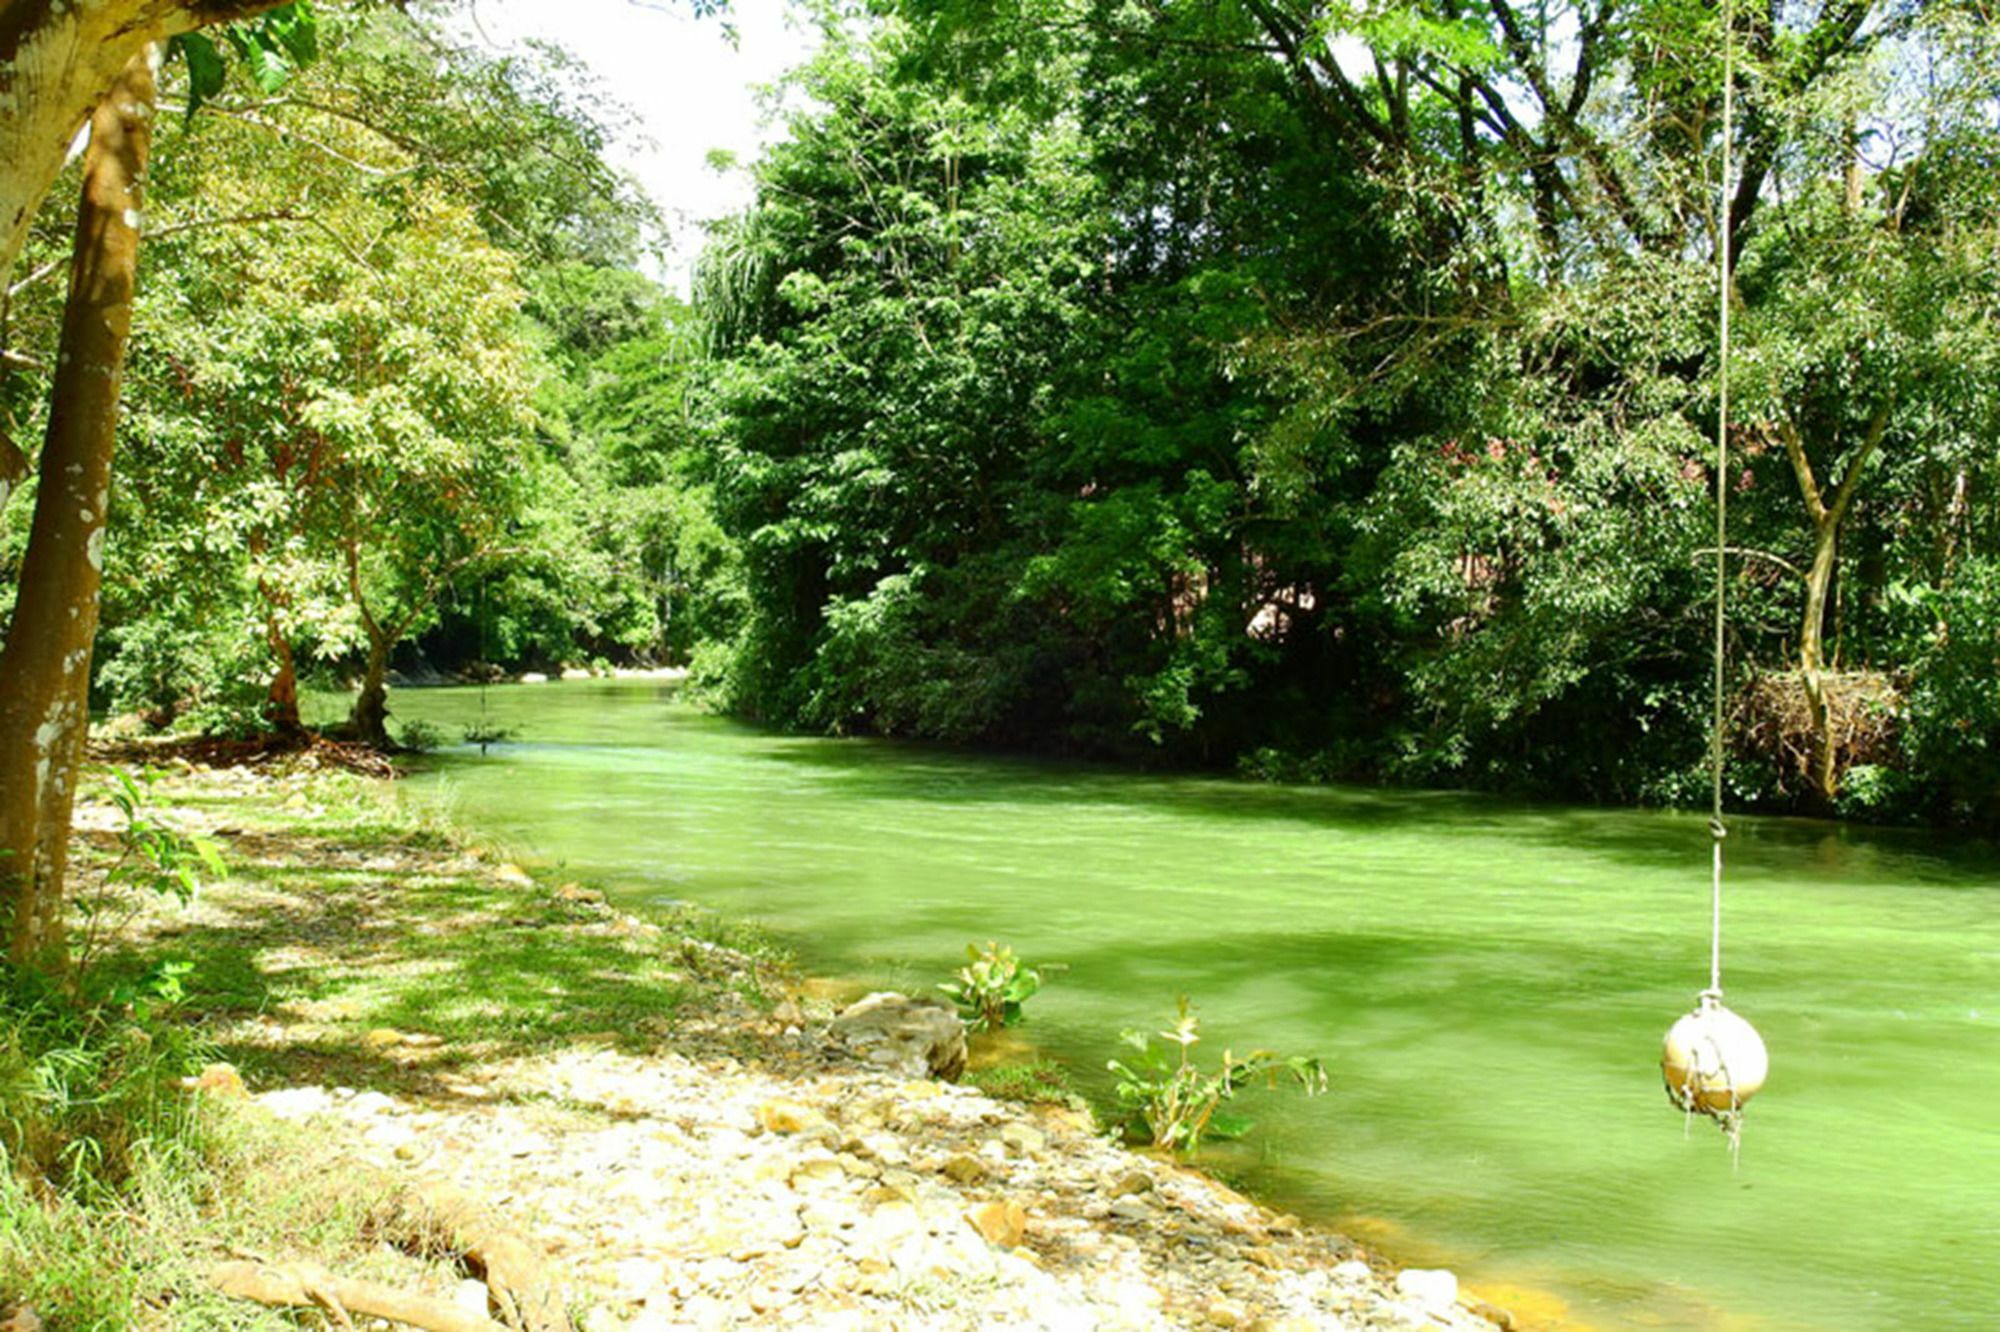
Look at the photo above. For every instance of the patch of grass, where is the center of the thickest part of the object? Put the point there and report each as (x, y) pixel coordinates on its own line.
(347, 919)
(1037, 1082)
(139, 1256)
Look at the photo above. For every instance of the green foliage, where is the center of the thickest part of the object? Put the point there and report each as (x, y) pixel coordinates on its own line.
(152, 858)
(1087, 380)
(1176, 1104)
(269, 47)
(418, 736)
(991, 987)
(90, 1093)
(1951, 718)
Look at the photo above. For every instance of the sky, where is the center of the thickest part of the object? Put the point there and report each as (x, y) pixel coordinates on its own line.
(689, 89)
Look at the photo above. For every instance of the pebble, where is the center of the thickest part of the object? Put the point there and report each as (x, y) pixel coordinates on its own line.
(748, 1178)
(1002, 1224)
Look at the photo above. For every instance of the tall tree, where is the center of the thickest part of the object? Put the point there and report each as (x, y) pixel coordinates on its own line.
(45, 665)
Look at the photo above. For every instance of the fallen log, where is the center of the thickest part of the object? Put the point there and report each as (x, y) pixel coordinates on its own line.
(310, 1286)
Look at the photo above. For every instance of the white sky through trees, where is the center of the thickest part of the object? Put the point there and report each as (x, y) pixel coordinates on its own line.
(691, 90)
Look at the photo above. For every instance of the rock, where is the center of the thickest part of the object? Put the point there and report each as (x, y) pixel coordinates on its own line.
(576, 892)
(1131, 1182)
(1226, 1313)
(780, 1115)
(1133, 1209)
(1022, 1140)
(382, 1038)
(911, 1037)
(1001, 1224)
(815, 1171)
(297, 1102)
(965, 1169)
(1434, 1289)
(23, 1319)
(1352, 1272)
(220, 1080)
(514, 876)
(533, 677)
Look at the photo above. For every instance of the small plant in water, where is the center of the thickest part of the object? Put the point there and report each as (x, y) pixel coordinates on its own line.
(1170, 1100)
(992, 986)
(483, 735)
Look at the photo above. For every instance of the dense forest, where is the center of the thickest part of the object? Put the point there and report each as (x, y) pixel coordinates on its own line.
(1316, 391)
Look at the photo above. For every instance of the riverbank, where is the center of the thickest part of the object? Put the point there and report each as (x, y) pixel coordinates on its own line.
(657, 1109)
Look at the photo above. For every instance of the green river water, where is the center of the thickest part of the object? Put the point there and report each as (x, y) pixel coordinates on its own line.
(1488, 982)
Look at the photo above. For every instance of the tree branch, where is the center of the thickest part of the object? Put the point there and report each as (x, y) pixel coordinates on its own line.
(1795, 449)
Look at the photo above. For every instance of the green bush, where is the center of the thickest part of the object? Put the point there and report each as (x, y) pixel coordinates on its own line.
(1951, 726)
(991, 987)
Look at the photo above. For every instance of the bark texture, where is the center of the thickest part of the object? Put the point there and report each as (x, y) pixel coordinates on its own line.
(45, 665)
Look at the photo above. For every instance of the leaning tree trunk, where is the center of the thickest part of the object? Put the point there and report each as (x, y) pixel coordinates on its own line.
(45, 665)
(1826, 516)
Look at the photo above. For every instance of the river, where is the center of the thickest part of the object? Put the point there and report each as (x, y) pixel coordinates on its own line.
(1488, 982)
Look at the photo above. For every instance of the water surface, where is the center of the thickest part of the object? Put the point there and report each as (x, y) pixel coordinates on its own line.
(1488, 982)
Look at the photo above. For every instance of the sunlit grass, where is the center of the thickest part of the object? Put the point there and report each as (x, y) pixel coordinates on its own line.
(359, 940)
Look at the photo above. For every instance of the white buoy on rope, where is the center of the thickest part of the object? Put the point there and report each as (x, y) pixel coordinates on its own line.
(1713, 1061)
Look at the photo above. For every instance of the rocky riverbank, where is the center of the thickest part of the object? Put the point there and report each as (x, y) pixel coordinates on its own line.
(684, 1135)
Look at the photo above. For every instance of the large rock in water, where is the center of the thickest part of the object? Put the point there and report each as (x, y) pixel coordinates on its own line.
(915, 1037)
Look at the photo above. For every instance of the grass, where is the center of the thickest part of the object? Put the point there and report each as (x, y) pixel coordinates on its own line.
(1036, 1081)
(354, 942)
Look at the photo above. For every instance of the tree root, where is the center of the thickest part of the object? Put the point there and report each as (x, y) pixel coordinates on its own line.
(310, 1286)
(439, 1219)
(434, 1220)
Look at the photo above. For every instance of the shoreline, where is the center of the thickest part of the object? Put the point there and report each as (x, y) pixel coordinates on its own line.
(860, 1195)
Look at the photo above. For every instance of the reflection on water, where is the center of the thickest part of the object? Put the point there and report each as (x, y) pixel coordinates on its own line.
(1489, 982)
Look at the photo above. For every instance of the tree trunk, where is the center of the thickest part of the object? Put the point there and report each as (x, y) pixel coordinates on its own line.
(45, 666)
(281, 700)
(369, 721)
(1812, 656)
(1826, 516)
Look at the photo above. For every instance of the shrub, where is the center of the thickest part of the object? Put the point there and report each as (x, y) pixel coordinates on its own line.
(992, 986)
(1171, 1101)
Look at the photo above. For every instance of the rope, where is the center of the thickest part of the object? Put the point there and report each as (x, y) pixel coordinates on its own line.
(1717, 829)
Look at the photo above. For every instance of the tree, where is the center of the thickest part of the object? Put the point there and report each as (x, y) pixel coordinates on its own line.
(45, 664)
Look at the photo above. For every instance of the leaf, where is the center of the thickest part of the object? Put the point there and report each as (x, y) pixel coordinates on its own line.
(205, 67)
(295, 28)
(1229, 1127)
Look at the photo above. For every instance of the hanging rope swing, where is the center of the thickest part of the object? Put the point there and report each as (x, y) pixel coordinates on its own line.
(1714, 1061)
